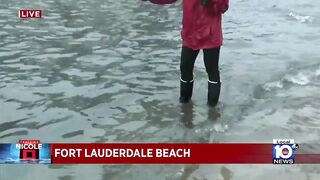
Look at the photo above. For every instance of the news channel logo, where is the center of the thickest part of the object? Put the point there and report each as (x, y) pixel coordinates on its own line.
(284, 151)
(25, 152)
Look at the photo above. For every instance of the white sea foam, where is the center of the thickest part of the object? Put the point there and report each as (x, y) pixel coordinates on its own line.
(301, 18)
(300, 79)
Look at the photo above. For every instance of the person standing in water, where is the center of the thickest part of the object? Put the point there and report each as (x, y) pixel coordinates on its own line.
(201, 29)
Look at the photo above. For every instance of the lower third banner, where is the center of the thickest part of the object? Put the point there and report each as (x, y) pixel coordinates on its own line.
(161, 153)
(32, 151)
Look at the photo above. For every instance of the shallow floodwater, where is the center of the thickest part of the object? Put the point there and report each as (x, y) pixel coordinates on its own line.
(108, 71)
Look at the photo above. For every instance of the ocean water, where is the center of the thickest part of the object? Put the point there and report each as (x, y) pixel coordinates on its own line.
(108, 71)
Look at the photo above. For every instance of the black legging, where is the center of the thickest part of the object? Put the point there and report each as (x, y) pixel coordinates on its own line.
(211, 61)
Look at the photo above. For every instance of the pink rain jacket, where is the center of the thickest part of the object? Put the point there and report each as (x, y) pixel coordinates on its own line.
(202, 26)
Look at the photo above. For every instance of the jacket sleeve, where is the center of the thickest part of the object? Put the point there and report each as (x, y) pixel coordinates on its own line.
(224, 6)
(162, 1)
(220, 6)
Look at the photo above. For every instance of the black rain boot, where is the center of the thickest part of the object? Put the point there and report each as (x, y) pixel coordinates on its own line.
(185, 91)
(213, 93)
